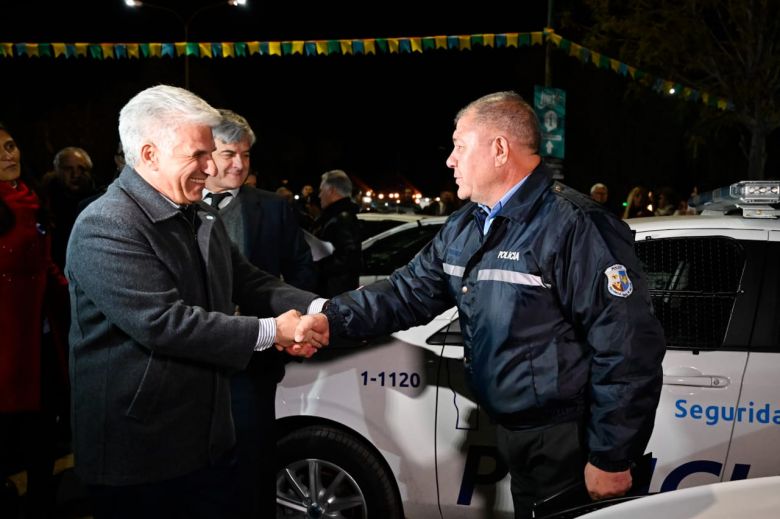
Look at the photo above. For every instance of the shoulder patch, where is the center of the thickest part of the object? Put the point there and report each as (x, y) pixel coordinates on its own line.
(617, 281)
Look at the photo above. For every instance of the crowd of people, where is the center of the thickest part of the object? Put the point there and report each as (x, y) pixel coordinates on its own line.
(154, 316)
(641, 202)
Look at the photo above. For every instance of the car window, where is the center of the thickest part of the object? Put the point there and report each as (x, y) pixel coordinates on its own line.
(694, 283)
(396, 250)
(450, 335)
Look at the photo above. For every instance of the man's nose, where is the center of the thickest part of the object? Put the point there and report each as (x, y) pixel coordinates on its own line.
(238, 163)
(210, 167)
(451, 162)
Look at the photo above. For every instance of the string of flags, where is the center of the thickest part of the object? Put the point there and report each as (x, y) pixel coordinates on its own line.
(363, 46)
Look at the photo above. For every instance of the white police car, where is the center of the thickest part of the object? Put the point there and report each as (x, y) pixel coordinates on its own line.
(756, 498)
(388, 429)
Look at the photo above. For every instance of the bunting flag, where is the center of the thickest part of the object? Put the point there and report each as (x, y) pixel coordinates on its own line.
(662, 86)
(364, 46)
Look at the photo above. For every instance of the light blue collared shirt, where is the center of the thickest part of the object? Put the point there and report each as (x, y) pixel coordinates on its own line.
(492, 213)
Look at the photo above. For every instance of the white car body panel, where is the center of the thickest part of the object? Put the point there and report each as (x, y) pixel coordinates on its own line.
(371, 390)
(755, 441)
(681, 430)
(753, 498)
(708, 380)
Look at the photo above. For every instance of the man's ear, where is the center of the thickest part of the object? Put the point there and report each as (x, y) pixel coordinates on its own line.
(500, 148)
(149, 156)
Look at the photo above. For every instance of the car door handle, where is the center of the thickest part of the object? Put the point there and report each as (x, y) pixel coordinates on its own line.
(696, 381)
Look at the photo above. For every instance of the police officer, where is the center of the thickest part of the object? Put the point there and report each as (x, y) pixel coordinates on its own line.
(561, 345)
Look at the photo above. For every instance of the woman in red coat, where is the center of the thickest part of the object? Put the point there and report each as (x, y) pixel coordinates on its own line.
(33, 319)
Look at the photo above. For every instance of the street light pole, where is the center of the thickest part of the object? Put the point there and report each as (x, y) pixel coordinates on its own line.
(547, 48)
(186, 23)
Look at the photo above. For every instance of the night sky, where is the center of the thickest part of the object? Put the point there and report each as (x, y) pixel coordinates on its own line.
(385, 119)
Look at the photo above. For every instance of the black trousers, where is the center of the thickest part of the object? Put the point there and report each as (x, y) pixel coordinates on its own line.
(208, 493)
(29, 439)
(542, 461)
(254, 415)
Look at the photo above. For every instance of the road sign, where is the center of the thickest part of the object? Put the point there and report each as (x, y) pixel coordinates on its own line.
(550, 107)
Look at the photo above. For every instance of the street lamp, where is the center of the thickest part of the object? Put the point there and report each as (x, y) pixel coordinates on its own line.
(186, 23)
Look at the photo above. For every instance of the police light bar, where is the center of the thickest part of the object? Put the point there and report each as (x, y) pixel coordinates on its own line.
(754, 197)
(757, 191)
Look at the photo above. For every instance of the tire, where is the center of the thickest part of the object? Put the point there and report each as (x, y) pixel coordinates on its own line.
(349, 481)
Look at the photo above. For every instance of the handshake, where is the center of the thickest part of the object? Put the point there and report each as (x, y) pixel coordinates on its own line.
(301, 335)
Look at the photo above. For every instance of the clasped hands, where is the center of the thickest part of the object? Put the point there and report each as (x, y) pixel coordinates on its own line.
(301, 335)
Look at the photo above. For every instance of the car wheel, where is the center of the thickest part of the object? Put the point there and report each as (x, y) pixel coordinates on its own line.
(325, 472)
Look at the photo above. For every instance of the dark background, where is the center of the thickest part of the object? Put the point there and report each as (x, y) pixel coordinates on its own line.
(385, 119)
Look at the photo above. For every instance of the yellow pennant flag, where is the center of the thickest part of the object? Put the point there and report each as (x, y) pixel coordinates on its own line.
(108, 50)
(31, 50)
(555, 39)
(81, 49)
(392, 45)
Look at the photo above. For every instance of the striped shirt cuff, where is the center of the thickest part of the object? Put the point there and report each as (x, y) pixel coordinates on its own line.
(267, 334)
(315, 306)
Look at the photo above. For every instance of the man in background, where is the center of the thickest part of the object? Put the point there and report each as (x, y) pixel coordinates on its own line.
(67, 185)
(263, 226)
(338, 224)
(600, 194)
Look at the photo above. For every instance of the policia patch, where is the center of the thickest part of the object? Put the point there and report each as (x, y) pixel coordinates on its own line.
(618, 282)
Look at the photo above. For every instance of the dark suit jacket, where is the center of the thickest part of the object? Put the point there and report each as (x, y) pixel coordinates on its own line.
(340, 272)
(153, 339)
(272, 241)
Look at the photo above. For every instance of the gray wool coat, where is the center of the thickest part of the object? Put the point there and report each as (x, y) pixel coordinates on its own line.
(153, 339)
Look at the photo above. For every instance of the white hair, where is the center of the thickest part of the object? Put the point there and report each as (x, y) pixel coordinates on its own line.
(154, 115)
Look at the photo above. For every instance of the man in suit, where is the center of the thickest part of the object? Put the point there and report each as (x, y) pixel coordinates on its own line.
(338, 224)
(154, 280)
(263, 226)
